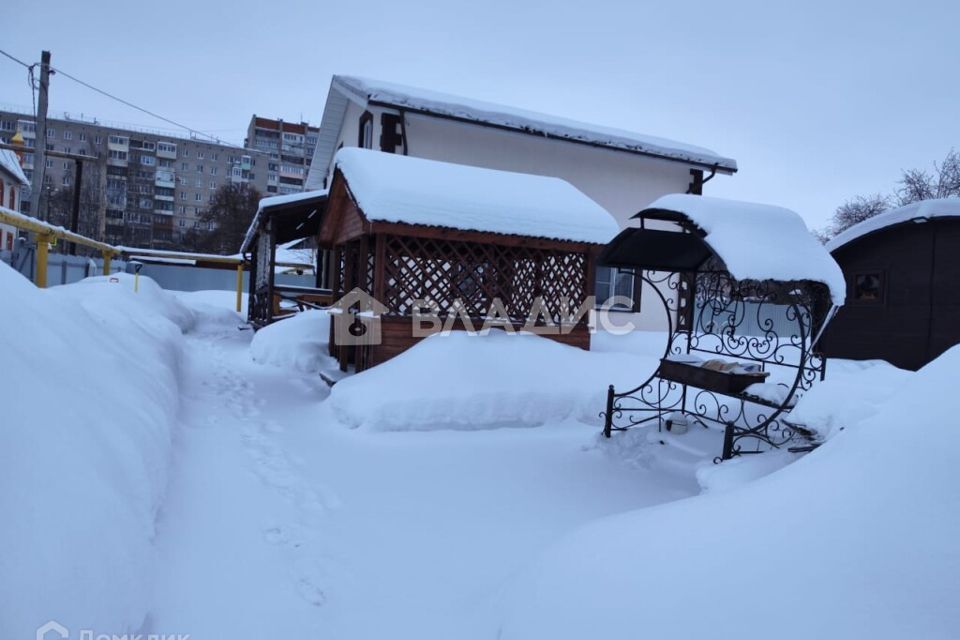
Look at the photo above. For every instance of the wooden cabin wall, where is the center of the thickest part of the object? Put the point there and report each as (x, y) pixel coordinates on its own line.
(918, 315)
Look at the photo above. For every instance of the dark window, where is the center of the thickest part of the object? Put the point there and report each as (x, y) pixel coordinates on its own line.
(868, 287)
(391, 132)
(365, 137)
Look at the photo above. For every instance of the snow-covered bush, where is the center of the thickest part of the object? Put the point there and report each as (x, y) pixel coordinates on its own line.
(469, 381)
(855, 540)
(88, 397)
(299, 342)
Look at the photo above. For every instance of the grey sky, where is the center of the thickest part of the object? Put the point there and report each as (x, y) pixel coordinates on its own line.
(818, 101)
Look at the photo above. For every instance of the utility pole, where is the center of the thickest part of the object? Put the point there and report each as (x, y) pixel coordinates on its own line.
(40, 148)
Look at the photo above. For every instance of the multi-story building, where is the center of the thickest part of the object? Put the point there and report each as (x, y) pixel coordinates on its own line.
(290, 146)
(151, 187)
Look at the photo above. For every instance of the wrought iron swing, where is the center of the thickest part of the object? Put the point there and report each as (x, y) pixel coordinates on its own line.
(768, 328)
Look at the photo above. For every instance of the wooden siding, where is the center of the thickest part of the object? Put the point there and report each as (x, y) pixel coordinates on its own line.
(918, 314)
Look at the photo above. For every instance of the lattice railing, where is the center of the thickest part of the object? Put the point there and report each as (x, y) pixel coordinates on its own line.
(442, 272)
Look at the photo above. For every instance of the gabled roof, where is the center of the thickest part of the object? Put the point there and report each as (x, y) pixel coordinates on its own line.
(402, 189)
(374, 92)
(754, 241)
(914, 212)
(10, 163)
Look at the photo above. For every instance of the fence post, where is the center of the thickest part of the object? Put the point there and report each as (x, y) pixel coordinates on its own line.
(239, 287)
(43, 251)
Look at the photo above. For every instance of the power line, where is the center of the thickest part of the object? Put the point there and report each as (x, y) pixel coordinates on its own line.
(133, 106)
(153, 114)
(17, 60)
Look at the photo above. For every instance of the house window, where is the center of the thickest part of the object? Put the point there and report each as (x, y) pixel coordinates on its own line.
(83, 136)
(868, 287)
(620, 283)
(68, 135)
(366, 130)
(148, 161)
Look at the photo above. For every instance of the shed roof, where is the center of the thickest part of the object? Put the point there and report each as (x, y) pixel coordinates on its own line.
(914, 212)
(11, 164)
(296, 216)
(413, 99)
(396, 188)
(755, 241)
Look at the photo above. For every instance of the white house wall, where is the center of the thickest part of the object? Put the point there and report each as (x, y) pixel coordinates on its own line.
(622, 183)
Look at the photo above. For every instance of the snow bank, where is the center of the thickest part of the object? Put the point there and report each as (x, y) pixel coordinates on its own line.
(853, 391)
(855, 540)
(394, 188)
(461, 381)
(88, 396)
(299, 342)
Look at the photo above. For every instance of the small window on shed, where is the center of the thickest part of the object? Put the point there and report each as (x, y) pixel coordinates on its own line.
(868, 287)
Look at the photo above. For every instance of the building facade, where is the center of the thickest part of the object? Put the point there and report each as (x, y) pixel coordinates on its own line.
(621, 170)
(13, 184)
(148, 189)
(290, 146)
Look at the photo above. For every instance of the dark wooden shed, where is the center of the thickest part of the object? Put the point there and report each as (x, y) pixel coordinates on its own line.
(902, 270)
(403, 229)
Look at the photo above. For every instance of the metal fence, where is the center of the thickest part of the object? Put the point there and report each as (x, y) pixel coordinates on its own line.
(66, 269)
(61, 268)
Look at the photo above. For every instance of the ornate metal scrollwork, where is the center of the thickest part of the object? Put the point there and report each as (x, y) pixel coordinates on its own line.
(770, 323)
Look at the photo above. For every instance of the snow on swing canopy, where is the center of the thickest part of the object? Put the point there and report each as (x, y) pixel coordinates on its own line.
(754, 241)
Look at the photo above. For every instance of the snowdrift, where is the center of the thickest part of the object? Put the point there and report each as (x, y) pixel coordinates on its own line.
(88, 396)
(461, 381)
(299, 342)
(855, 540)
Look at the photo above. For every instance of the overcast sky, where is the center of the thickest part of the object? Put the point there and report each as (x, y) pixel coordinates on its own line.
(817, 101)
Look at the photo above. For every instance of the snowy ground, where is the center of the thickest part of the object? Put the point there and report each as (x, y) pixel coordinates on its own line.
(320, 529)
(286, 510)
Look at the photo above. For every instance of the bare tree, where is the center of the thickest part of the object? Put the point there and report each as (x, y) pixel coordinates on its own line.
(857, 210)
(227, 217)
(920, 184)
(914, 185)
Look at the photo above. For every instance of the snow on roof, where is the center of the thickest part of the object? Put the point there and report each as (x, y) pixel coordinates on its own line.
(395, 188)
(11, 163)
(365, 91)
(759, 241)
(273, 201)
(916, 212)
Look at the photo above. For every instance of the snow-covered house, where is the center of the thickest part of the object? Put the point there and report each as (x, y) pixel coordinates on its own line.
(459, 245)
(902, 271)
(621, 170)
(12, 183)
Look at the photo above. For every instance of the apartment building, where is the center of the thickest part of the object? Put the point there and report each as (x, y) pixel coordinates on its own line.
(290, 146)
(150, 187)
